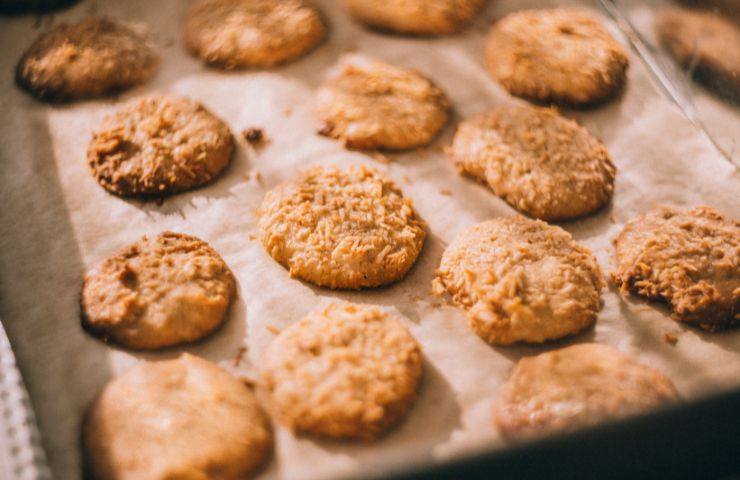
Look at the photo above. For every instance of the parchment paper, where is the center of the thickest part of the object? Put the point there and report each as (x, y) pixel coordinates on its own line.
(57, 222)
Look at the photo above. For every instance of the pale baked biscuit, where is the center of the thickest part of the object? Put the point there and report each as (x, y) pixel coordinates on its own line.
(576, 387)
(156, 146)
(540, 162)
(91, 58)
(347, 371)
(705, 42)
(337, 228)
(521, 280)
(556, 55)
(416, 17)
(158, 292)
(182, 418)
(251, 33)
(369, 104)
(687, 258)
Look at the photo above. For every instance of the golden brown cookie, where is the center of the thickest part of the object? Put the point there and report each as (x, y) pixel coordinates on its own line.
(687, 258)
(369, 104)
(347, 371)
(157, 146)
(91, 58)
(158, 292)
(705, 42)
(541, 163)
(521, 280)
(576, 387)
(416, 17)
(251, 33)
(337, 228)
(182, 418)
(556, 55)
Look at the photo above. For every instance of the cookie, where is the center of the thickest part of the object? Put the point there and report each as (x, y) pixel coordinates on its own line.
(91, 58)
(707, 44)
(521, 280)
(368, 104)
(158, 292)
(337, 228)
(541, 163)
(181, 418)
(576, 387)
(556, 55)
(689, 259)
(415, 17)
(251, 33)
(347, 371)
(156, 146)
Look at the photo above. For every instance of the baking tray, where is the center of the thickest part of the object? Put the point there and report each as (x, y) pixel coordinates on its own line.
(690, 441)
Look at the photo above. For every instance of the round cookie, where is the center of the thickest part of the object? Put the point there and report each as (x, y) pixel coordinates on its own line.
(347, 371)
(181, 418)
(91, 58)
(687, 258)
(158, 292)
(415, 17)
(705, 42)
(337, 228)
(251, 33)
(521, 280)
(538, 161)
(369, 104)
(576, 387)
(556, 55)
(157, 146)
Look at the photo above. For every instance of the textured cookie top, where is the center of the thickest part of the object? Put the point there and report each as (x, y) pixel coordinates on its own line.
(158, 145)
(182, 418)
(688, 258)
(575, 387)
(705, 41)
(540, 162)
(521, 280)
(251, 33)
(560, 55)
(160, 291)
(90, 58)
(339, 228)
(347, 371)
(369, 104)
(416, 17)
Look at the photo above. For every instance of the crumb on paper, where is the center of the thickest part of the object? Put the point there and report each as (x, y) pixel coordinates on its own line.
(239, 356)
(254, 175)
(445, 191)
(273, 329)
(407, 179)
(254, 135)
(252, 237)
(670, 338)
(287, 111)
(611, 218)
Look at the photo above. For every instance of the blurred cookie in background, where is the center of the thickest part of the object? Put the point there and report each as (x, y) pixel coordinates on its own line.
(91, 58)
(706, 44)
(415, 17)
(556, 55)
(235, 34)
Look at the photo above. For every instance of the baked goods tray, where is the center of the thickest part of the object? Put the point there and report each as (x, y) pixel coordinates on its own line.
(58, 222)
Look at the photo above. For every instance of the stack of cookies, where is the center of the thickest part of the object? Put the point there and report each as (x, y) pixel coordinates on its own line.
(353, 370)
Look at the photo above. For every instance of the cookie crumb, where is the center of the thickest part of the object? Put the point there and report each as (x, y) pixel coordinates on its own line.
(612, 219)
(670, 338)
(253, 135)
(273, 329)
(446, 192)
(239, 356)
